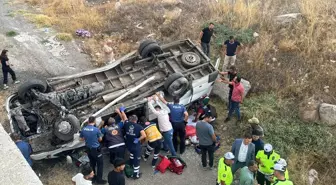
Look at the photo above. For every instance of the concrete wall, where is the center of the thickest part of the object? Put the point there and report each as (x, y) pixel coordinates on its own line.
(14, 168)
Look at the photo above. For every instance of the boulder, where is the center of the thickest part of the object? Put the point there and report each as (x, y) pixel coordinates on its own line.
(221, 89)
(287, 18)
(328, 114)
(309, 110)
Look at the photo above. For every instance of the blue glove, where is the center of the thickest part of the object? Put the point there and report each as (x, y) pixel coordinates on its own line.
(122, 109)
(136, 141)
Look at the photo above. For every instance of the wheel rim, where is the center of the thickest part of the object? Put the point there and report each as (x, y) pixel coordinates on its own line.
(191, 58)
(64, 127)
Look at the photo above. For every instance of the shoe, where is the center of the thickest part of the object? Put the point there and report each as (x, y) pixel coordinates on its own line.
(16, 81)
(153, 167)
(101, 181)
(227, 119)
(210, 168)
(5, 87)
(144, 158)
(238, 121)
(205, 168)
(138, 176)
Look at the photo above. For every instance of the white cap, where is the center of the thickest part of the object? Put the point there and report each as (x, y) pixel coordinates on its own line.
(229, 155)
(279, 167)
(282, 162)
(268, 147)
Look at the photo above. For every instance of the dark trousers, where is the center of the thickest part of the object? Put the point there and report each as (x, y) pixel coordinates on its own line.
(210, 150)
(135, 156)
(206, 48)
(261, 179)
(5, 72)
(179, 131)
(230, 95)
(96, 159)
(117, 152)
(234, 107)
(153, 146)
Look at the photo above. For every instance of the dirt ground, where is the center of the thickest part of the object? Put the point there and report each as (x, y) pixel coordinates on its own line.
(36, 54)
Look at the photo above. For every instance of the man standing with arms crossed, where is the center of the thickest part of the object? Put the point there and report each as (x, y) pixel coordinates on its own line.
(230, 51)
(178, 117)
(165, 126)
(205, 37)
(92, 136)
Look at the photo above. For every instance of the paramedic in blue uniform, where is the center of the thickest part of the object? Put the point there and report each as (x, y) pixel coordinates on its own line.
(134, 134)
(92, 136)
(178, 118)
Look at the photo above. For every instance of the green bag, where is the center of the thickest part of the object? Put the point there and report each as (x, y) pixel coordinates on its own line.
(128, 170)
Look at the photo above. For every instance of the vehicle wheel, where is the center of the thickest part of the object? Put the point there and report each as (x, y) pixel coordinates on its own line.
(25, 88)
(151, 49)
(171, 78)
(144, 43)
(65, 128)
(179, 87)
(190, 59)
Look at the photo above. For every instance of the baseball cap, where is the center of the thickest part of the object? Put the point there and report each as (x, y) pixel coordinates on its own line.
(279, 167)
(229, 155)
(282, 162)
(268, 147)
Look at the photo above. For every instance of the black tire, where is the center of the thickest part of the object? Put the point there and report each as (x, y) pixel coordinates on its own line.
(31, 84)
(171, 78)
(190, 59)
(67, 135)
(150, 50)
(179, 87)
(145, 43)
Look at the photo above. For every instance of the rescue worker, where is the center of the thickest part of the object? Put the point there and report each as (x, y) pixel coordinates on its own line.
(279, 173)
(154, 138)
(114, 138)
(134, 134)
(179, 118)
(284, 164)
(92, 136)
(224, 176)
(266, 159)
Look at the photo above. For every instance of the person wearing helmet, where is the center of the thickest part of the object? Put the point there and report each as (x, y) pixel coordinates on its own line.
(266, 159)
(279, 173)
(224, 176)
(284, 164)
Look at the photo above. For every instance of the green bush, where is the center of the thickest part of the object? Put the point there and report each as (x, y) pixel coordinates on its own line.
(283, 128)
(11, 34)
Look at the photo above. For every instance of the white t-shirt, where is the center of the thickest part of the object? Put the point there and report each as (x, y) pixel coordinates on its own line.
(242, 152)
(79, 180)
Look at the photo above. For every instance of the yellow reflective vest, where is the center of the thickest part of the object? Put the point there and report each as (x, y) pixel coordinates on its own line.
(224, 172)
(268, 162)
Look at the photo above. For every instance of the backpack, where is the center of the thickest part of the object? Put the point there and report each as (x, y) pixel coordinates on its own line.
(128, 170)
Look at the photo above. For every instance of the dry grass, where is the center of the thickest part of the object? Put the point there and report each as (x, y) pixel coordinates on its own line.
(302, 49)
(64, 36)
(40, 20)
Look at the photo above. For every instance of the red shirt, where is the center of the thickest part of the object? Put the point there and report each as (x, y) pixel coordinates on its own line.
(237, 93)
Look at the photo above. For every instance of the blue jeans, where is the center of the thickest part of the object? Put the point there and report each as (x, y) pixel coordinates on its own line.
(168, 141)
(234, 106)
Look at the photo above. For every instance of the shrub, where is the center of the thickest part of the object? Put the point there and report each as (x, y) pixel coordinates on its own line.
(11, 34)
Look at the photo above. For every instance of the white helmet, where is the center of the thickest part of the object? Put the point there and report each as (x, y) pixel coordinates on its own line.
(282, 162)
